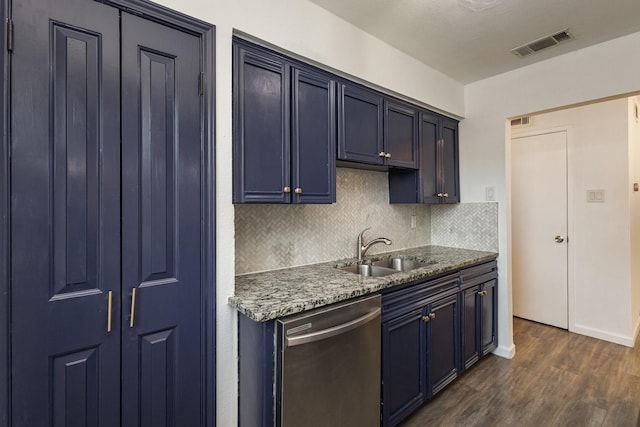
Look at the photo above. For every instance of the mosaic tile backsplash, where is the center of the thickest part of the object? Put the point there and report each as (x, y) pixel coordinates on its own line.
(269, 237)
(465, 225)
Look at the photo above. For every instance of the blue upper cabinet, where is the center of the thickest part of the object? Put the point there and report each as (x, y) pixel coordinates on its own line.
(313, 138)
(284, 138)
(448, 151)
(439, 174)
(400, 135)
(437, 180)
(377, 130)
(360, 120)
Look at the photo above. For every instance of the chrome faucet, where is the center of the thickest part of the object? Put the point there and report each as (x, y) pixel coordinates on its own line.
(362, 249)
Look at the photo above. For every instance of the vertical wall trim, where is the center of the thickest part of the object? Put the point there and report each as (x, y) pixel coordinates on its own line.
(5, 352)
(209, 300)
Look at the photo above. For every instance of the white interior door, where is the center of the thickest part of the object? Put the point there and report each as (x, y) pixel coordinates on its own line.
(539, 228)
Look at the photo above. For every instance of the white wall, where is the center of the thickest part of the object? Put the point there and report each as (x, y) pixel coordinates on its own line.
(596, 72)
(634, 202)
(599, 233)
(309, 31)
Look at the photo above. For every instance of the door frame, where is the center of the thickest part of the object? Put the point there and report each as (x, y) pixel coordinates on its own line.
(5, 297)
(206, 33)
(568, 130)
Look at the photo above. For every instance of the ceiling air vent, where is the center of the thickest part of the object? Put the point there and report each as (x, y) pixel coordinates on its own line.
(542, 43)
(521, 121)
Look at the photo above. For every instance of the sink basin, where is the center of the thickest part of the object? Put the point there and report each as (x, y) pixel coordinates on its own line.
(386, 266)
(369, 270)
(400, 264)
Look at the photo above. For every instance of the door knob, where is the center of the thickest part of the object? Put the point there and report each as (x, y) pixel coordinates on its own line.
(559, 239)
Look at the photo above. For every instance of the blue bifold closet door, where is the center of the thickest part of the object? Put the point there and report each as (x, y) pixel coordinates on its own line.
(106, 179)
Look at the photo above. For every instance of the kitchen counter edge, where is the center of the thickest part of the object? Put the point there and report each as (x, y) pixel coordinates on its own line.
(273, 294)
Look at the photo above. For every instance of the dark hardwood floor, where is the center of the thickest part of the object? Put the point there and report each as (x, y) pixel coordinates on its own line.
(557, 378)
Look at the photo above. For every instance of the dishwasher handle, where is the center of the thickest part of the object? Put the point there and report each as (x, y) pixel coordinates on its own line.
(334, 330)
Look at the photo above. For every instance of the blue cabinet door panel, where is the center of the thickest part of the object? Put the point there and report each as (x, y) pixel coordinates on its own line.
(449, 174)
(161, 225)
(489, 316)
(261, 128)
(470, 327)
(65, 214)
(429, 164)
(360, 121)
(443, 333)
(401, 135)
(313, 138)
(404, 366)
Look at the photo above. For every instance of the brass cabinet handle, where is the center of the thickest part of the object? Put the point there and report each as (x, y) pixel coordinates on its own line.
(482, 293)
(445, 195)
(287, 189)
(432, 315)
(425, 319)
(388, 155)
(440, 195)
(109, 308)
(382, 154)
(298, 190)
(133, 306)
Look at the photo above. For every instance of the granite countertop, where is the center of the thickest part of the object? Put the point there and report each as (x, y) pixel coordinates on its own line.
(273, 294)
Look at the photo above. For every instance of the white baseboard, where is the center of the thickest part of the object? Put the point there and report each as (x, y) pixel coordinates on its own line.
(505, 352)
(604, 335)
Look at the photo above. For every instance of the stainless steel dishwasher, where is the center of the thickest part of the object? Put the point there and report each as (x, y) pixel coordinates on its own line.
(329, 366)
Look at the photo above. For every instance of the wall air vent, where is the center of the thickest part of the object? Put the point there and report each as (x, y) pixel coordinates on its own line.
(521, 121)
(542, 43)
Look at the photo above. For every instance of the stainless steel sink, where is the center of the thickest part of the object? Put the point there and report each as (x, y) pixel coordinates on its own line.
(369, 270)
(386, 266)
(400, 264)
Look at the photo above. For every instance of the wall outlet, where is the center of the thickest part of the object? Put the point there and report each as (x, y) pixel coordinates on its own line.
(413, 221)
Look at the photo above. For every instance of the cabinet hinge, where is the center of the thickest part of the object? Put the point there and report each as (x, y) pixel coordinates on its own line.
(201, 84)
(10, 35)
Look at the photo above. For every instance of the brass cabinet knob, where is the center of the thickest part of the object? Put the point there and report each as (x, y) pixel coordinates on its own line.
(287, 189)
(382, 154)
(432, 315)
(388, 155)
(440, 195)
(298, 190)
(445, 195)
(425, 319)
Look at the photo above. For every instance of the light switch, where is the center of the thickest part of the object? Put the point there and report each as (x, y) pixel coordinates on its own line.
(490, 194)
(413, 221)
(595, 196)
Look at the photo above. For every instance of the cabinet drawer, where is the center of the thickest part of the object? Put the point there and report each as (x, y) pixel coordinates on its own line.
(399, 302)
(489, 269)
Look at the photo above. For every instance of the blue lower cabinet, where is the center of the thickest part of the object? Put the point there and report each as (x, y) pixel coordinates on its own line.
(419, 345)
(489, 316)
(404, 384)
(479, 312)
(443, 333)
(431, 333)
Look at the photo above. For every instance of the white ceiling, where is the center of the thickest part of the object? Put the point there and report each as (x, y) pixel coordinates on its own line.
(470, 45)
